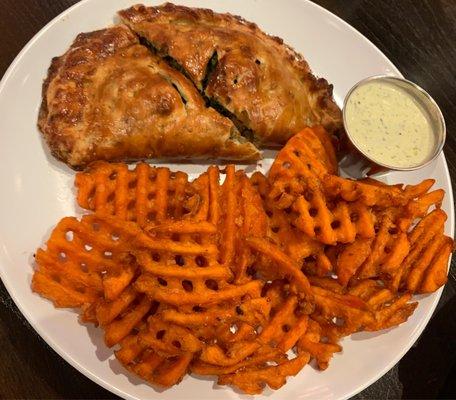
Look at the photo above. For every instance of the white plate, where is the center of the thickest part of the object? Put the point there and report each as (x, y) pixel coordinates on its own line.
(37, 191)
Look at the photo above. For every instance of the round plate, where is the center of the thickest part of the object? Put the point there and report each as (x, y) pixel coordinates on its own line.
(37, 191)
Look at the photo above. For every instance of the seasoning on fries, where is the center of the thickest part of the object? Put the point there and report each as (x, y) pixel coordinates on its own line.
(248, 280)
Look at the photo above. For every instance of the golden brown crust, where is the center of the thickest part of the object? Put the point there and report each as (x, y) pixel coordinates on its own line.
(263, 82)
(109, 98)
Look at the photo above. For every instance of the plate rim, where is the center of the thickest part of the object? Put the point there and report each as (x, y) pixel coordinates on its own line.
(109, 387)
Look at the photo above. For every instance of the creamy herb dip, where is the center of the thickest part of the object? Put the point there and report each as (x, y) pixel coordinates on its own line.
(388, 125)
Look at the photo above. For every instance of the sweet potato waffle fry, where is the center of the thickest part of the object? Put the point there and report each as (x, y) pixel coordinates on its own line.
(82, 263)
(297, 246)
(143, 194)
(297, 180)
(139, 357)
(248, 280)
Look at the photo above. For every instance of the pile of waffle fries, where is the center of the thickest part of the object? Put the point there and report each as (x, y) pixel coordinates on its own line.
(247, 280)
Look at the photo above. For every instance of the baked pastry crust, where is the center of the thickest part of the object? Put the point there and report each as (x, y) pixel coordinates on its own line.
(109, 98)
(263, 83)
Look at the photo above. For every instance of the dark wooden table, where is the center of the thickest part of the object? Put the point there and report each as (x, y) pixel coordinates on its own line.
(419, 36)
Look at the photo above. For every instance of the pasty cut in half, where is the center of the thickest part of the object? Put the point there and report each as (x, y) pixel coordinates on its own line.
(261, 83)
(109, 98)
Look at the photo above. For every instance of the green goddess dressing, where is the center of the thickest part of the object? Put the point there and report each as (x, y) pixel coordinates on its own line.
(388, 125)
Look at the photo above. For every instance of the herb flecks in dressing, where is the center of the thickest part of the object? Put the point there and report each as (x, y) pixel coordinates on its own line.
(388, 125)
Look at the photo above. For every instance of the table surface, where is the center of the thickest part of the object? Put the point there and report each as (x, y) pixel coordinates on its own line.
(419, 37)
